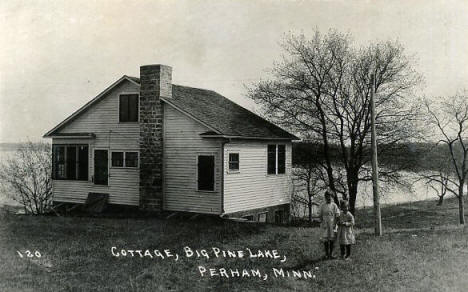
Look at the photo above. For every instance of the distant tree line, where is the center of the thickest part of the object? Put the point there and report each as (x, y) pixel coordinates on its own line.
(415, 157)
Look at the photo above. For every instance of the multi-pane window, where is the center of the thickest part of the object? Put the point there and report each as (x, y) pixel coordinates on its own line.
(233, 161)
(131, 159)
(117, 159)
(70, 162)
(124, 159)
(128, 108)
(276, 159)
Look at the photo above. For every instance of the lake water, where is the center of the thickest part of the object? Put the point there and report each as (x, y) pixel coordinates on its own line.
(413, 191)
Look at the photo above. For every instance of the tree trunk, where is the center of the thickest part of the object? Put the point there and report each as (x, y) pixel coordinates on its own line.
(441, 201)
(352, 197)
(352, 178)
(461, 207)
(309, 194)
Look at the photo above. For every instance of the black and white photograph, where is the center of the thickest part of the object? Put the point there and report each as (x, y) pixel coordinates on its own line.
(233, 145)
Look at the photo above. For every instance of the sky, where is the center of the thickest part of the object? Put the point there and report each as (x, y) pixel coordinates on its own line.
(57, 55)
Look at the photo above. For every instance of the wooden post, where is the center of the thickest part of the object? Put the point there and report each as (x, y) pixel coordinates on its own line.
(375, 168)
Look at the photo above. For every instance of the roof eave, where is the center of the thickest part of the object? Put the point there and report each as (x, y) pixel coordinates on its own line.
(249, 138)
(84, 136)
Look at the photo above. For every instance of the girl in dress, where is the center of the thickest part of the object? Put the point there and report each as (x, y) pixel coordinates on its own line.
(329, 213)
(345, 235)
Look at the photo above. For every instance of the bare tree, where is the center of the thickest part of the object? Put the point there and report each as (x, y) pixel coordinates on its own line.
(438, 177)
(310, 178)
(321, 90)
(26, 177)
(450, 118)
(308, 174)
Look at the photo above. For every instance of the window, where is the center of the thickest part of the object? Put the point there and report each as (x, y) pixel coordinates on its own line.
(70, 162)
(279, 216)
(117, 159)
(58, 162)
(271, 159)
(262, 217)
(205, 172)
(128, 108)
(276, 160)
(281, 159)
(124, 159)
(131, 159)
(249, 217)
(233, 161)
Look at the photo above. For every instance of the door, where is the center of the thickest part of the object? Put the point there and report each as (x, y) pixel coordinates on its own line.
(206, 172)
(101, 167)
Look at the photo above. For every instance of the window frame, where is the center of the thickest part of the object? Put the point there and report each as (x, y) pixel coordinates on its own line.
(278, 159)
(124, 160)
(65, 162)
(268, 159)
(229, 170)
(214, 172)
(276, 173)
(138, 107)
(260, 214)
(137, 159)
(112, 159)
(279, 216)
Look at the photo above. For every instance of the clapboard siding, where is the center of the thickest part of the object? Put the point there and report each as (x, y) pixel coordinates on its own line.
(251, 187)
(102, 119)
(182, 143)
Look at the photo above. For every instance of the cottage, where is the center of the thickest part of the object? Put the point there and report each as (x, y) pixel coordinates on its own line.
(147, 142)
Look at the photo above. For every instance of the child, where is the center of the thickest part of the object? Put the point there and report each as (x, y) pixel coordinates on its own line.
(345, 236)
(329, 213)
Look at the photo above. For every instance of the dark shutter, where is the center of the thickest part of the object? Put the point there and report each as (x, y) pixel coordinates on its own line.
(71, 162)
(83, 157)
(271, 159)
(206, 173)
(133, 108)
(281, 158)
(123, 108)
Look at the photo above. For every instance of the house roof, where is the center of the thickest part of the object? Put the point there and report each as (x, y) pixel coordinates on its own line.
(222, 116)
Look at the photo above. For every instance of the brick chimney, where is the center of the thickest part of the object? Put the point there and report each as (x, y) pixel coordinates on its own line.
(155, 82)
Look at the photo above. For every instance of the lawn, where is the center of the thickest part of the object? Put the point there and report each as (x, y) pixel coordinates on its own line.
(423, 249)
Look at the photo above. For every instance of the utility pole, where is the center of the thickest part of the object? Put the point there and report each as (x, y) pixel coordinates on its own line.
(375, 167)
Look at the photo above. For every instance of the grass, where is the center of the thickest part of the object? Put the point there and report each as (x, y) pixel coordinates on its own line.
(423, 249)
